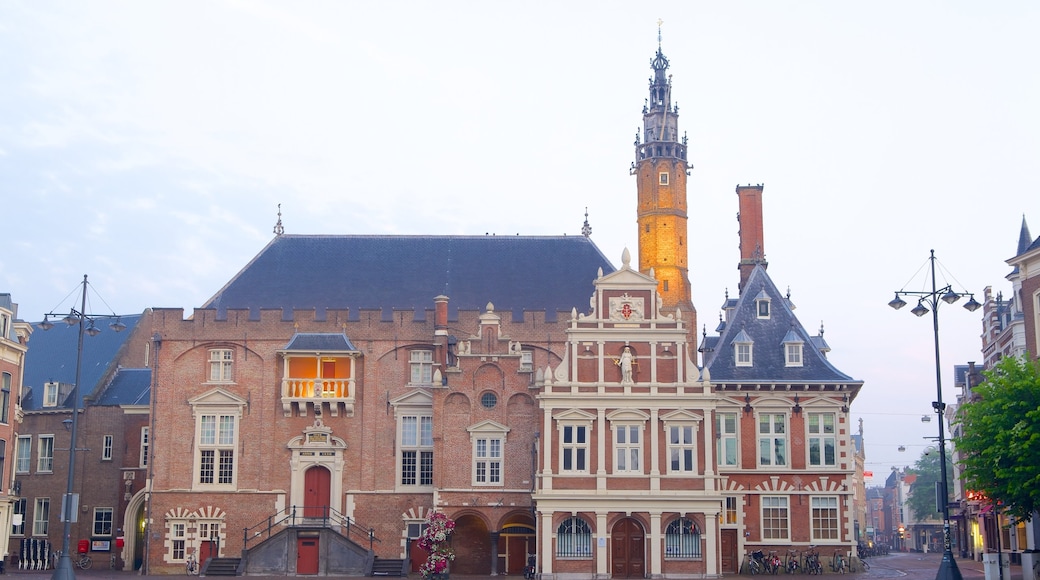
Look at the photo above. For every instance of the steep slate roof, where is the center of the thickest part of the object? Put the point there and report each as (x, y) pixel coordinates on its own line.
(127, 387)
(768, 337)
(52, 357)
(324, 342)
(516, 273)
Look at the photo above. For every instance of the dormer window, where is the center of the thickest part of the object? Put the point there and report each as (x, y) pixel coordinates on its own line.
(50, 395)
(762, 305)
(742, 349)
(793, 349)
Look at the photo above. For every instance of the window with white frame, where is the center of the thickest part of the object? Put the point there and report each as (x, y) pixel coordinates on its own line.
(41, 516)
(574, 539)
(178, 535)
(627, 449)
(217, 437)
(526, 360)
(416, 444)
(793, 354)
(220, 365)
(143, 459)
(23, 454)
(5, 398)
(682, 540)
(729, 512)
(50, 394)
(45, 454)
(209, 530)
(18, 520)
(421, 363)
(824, 518)
(772, 439)
(662, 178)
(821, 439)
(775, 520)
(726, 438)
(416, 529)
(106, 448)
(682, 450)
(103, 521)
(742, 349)
(762, 307)
(574, 448)
(487, 461)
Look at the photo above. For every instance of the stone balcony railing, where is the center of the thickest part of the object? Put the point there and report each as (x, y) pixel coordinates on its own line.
(331, 394)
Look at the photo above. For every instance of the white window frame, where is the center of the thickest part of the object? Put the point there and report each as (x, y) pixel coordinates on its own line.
(420, 367)
(824, 518)
(793, 354)
(5, 398)
(41, 507)
(628, 448)
(743, 353)
(415, 442)
(727, 438)
(106, 448)
(772, 440)
(99, 519)
(178, 545)
(779, 505)
(574, 449)
(23, 454)
(18, 509)
(142, 461)
(662, 178)
(682, 448)
(487, 460)
(730, 513)
(816, 426)
(50, 394)
(763, 310)
(216, 432)
(221, 365)
(45, 454)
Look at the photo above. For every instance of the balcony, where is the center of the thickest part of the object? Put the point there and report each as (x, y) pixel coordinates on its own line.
(331, 395)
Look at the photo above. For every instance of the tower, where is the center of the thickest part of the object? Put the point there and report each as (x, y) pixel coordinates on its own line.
(660, 168)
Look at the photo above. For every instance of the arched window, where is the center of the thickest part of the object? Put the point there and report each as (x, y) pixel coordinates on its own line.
(682, 540)
(574, 539)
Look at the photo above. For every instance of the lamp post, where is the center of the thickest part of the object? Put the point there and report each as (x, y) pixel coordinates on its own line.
(948, 569)
(64, 569)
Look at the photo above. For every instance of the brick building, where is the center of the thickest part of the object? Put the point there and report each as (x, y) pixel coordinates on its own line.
(14, 334)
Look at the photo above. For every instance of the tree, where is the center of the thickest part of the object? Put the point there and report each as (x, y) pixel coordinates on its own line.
(921, 498)
(1000, 436)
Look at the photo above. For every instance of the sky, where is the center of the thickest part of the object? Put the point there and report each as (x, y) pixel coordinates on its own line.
(150, 144)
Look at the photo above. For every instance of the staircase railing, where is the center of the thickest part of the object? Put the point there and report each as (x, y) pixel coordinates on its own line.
(316, 516)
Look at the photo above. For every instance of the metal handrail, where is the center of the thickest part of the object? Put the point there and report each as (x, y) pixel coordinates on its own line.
(291, 516)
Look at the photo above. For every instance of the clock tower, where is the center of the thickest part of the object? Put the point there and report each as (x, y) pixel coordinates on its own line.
(661, 169)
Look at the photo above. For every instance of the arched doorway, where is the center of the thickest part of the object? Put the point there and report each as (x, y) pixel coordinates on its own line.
(516, 541)
(627, 549)
(317, 487)
(472, 544)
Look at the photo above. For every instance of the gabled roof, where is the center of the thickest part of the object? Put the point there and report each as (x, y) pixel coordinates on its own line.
(768, 336)
(51, 357)
(517, 273)
(320, 342)
(127, 387)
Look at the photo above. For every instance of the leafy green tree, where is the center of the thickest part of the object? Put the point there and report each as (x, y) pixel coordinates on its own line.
(1000, 436)
(921, 498)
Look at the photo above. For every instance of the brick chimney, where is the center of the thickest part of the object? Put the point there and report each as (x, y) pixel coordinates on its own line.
(752, 240)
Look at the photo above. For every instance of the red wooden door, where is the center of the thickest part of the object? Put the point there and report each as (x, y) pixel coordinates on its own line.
(207, 550)
(306, 555)
(317, 485)
(728, 542)
(627, 549)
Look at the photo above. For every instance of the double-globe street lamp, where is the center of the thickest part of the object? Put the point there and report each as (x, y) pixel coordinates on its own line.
(926, 301)
(64, 569)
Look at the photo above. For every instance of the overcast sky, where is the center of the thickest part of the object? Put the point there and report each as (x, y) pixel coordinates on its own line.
(148, 144)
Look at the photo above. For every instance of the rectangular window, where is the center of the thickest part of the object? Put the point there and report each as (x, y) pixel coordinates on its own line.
(726, 431)
(763, 308)
(220, 360)
(50, 394)
(23, 452)
(662, 178)
(824, 518)
(794, 354)
(216, 449)
(772, 439)
(730, 515)
(143, 460)
(680, 449)
(526, 360)
(821, 439)
(575, 448)
(18, 521)
(421, 362)
(743, 354)
(103, 521)
(106, 448)
(774, 518)
(488, 467)
(417, 450)
(41, 516)
(45, 454)
(177, 533)
(626, 447)
(5, 398)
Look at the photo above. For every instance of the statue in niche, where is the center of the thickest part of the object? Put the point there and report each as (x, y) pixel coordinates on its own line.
(625, 362)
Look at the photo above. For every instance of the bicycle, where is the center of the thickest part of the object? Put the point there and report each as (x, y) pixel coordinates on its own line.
(756, 563)
(812, 562)
(838, 563)
(773, 563)
(793, 565)
(83, 561)
(191, 566)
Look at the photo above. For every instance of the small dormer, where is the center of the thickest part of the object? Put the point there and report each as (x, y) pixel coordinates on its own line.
(762, 306)
(742, 349)
(793, 346)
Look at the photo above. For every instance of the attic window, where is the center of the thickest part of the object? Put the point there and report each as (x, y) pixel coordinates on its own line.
(762, 305)
(50, 395)
(662, 178)
(792, 349)
(743, 350)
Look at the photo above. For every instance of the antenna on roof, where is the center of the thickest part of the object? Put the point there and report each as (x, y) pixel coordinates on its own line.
(278, 229)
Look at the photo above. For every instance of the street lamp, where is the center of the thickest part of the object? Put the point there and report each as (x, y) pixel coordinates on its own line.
(86, 322)
(948, 569)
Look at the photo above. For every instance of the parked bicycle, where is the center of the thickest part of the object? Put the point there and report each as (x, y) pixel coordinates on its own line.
(838, 563)
(81, 560)
(191, 566)
(794, 564)
(756, 563)
(812, 562)
(773, 563)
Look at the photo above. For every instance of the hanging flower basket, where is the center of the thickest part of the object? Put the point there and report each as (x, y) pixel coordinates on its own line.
(434, 541)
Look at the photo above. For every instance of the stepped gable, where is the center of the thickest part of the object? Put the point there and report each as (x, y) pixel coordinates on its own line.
(768, 336)
(517, 273)
(52, 358)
